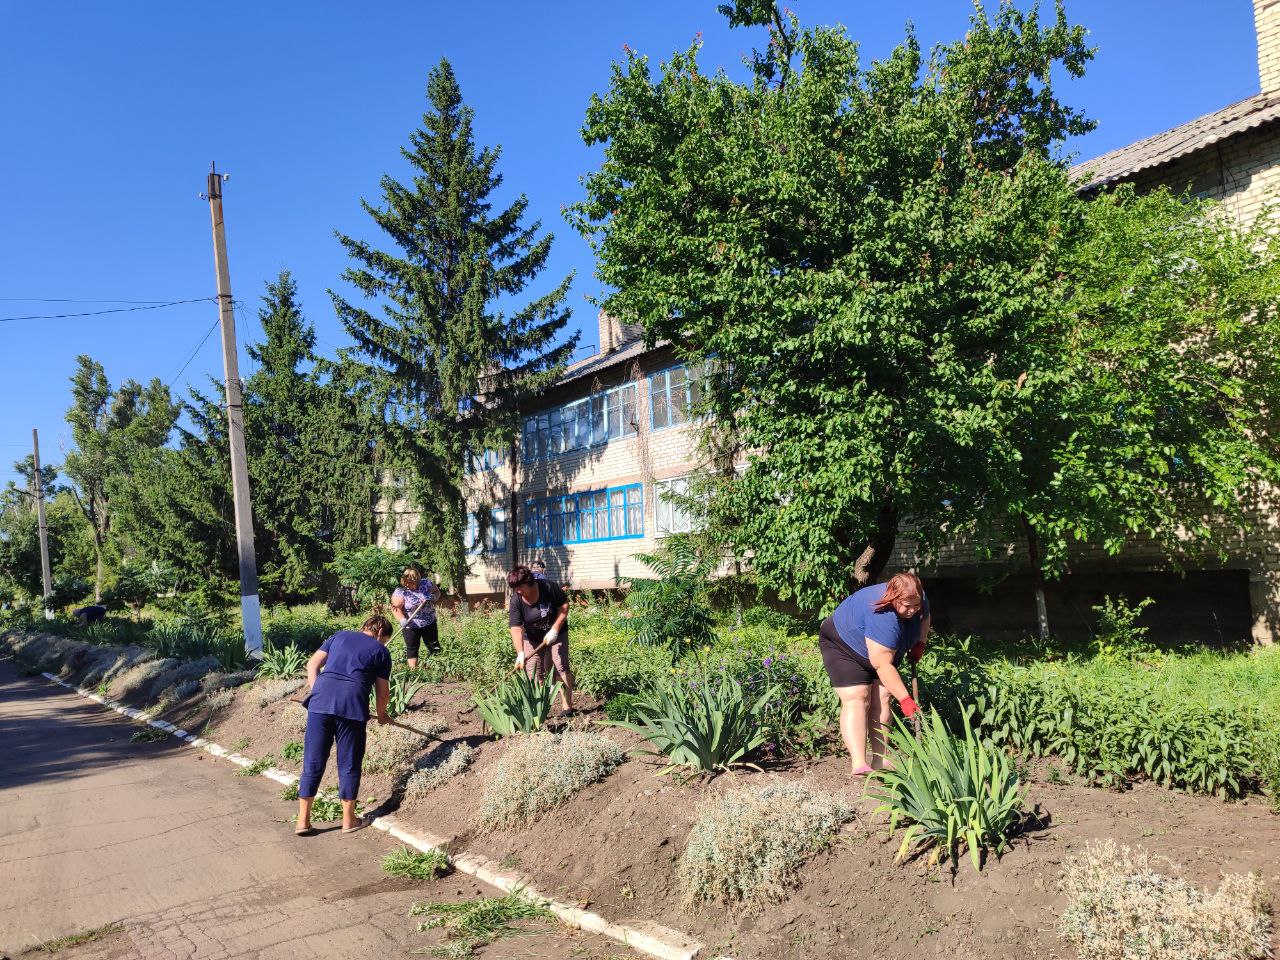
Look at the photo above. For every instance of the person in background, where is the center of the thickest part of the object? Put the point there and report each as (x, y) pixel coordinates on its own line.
(538, 612)
(93, 613)
(539, 569)
(413, 604)
(354, 664)
(863, 643)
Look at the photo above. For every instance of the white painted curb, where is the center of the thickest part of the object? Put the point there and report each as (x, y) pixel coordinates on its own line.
(650, 938)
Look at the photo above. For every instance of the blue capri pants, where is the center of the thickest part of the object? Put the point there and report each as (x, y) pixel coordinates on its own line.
(323, 729)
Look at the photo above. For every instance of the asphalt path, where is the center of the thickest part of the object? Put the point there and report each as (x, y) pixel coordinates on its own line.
(188, 859)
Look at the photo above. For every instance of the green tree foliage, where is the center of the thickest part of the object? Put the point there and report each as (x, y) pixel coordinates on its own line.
(70, 546)
(112, 429)
(442, 363)
(908, 314)
(373, 571)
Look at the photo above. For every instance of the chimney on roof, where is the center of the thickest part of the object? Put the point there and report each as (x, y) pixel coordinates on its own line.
(1266, 23)
(610, 331)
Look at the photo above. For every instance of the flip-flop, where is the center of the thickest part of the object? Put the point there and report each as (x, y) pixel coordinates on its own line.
(305, 832)
(863, 770)
(359, 826)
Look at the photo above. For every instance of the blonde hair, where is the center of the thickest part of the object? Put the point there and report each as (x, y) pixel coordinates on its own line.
(410, 578)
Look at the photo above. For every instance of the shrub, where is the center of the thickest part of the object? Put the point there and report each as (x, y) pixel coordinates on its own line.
(1119, 637)
(273, 690)
(219, 699)
(416, 865)
(622, 706)
(302, 627)
(519, 704)
(540, 771)
(1121, 908)
(373, 571)
(673, 609)
(618, 665)
(279, 663)
(704, 724)
(474, 648)
(391, 749)
(951, 794)
(748, 844)
(438, 767)
(474, 923)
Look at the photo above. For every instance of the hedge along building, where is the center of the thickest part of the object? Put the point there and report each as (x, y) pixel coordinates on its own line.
(582, 489)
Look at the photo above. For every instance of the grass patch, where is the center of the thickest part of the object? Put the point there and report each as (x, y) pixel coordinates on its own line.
(439, 767)
(256, 768)
(747, 845)
(76, 939)
(149, 735)
(474, 923)
(415, 864)
(292, 751)
(539, 772)
(1121, 908)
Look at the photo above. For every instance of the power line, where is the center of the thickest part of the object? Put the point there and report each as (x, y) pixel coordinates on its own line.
(192, 355)
(71, 300)
(97, 313)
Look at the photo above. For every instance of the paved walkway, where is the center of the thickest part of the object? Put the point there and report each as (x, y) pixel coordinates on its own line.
(194, 861)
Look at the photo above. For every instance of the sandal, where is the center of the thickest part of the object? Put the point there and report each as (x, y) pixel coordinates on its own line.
(359, 826)
(863, 770)
(305, 832)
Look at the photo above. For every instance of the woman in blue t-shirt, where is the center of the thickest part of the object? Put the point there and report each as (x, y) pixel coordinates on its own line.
(354, 664)
(862, 644)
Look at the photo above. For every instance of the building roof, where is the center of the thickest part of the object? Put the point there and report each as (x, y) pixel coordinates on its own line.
(597, 363)
(1179, 142)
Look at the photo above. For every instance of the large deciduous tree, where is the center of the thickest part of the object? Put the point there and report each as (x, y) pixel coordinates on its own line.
(111, 429)
(907, 313)
(452, 353)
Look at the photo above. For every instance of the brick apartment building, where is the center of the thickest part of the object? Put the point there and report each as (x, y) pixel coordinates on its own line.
(583, 487)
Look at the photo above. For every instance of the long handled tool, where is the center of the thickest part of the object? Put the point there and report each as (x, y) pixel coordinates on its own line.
(915, 695)
(411, 729)
(506, 676)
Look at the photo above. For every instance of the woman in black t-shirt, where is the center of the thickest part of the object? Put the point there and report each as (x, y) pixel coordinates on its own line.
(538, 611)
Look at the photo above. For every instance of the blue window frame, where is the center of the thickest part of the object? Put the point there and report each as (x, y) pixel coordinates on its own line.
(672, 395)
(495, 537)
(489, 460)
(589, 422)
(615, 513)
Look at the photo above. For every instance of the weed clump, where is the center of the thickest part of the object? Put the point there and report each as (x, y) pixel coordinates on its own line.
(415, 865)
(438, 767)
(292, 751)
(474, 923)
(220, 699)
(256, 768)
(273, 690)
(1121, 908)
(747, 845)
(541, 771)
(149, 735)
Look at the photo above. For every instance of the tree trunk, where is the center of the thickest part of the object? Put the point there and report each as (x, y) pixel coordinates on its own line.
(1037, 574)
(875, 554)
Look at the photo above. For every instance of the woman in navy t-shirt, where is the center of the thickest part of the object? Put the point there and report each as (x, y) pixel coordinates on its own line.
(354, 664)
(862, 644)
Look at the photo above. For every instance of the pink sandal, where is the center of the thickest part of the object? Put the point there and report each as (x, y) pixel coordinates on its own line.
(863, 770)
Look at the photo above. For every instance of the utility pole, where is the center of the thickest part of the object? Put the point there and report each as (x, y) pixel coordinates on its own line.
(250, 612)
(45, 575)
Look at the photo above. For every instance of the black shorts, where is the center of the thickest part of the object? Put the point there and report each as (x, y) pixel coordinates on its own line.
(413, 636)
(844, 667)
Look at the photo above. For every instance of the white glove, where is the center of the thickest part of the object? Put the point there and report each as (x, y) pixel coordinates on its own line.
(552, 635)
(519, 659)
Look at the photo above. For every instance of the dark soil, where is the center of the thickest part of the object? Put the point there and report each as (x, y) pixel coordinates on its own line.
(615, 847)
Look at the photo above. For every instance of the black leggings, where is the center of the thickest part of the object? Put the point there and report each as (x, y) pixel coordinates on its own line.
(414, 636)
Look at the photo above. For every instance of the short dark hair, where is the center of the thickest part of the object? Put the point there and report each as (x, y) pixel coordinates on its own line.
(539, 565)
(519, 576)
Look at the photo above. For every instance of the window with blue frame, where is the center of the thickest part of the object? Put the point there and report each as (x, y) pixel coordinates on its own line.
(672, 395)
(495, 534)
(589, 422)
(489, 460)
(616, 513)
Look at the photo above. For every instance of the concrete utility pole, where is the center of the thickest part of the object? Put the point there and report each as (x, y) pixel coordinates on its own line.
(43, 527)
(250, 612)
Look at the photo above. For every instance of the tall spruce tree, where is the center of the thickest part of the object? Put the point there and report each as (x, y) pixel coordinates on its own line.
(444, 366)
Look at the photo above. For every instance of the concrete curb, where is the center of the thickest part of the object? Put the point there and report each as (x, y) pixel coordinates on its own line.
(649, 938)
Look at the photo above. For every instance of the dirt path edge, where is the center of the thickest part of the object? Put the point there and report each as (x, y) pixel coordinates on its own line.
(644, 937)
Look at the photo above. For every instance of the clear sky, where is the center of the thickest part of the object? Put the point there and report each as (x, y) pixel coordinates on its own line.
(111, 112)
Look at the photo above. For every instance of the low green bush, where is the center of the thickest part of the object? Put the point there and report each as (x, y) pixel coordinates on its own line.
(748, 844)
(705, 723)
(304, 627)
(614, 664)
(404, 687)
(541, 771)
(438, 767)
(273, 691)
(622, 706)
(519, 704)
(1120, 908)
(475, 648)
(277, 663)
(951, 794)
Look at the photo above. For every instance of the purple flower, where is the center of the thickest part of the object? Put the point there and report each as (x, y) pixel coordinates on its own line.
(768, 661)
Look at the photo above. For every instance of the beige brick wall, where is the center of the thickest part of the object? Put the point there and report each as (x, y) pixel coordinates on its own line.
(1266, 20)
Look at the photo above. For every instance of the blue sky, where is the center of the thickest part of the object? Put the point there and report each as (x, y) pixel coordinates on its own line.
(111, 114)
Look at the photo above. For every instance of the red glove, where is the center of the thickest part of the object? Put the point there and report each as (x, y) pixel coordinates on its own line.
(908, 706)
(916, 652)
